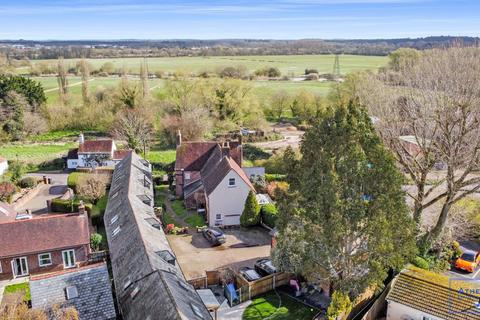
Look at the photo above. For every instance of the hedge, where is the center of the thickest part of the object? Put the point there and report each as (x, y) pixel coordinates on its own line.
(269, 214)
(421, 263)
(269, 177)
(72, 180)
(28, 182)
(68, 206)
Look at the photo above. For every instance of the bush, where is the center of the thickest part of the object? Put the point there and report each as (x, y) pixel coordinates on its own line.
(251, 213)
(308, 71)
(421, 263)
(340, 306)
(7, 190)
(96, 241)
(28, 182)
(251, 152)
(269, 214)
(312, 77)
(270, 177)
(68, 206)
(72, 180)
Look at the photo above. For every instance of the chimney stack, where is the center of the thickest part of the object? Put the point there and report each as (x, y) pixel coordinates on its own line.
(226, 148)
(179, 138)
(81, 208)
(81, 139)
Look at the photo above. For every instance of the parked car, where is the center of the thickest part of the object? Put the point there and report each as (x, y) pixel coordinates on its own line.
(468, 261)
(265, 267)
(214, 236)
(249, 273)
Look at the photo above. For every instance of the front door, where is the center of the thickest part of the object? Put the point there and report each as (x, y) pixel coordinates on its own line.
(19, 267)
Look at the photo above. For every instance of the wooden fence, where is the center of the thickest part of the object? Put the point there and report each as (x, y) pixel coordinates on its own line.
(210, 279)
(249, 289)
(97, 256)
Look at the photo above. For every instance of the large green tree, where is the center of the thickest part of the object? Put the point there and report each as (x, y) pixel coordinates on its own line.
(251, 211)
(32, 90)
(344, 218)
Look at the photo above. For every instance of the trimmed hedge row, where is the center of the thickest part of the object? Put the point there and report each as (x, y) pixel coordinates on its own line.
(269, 214)
(68, 206)
(270, 177)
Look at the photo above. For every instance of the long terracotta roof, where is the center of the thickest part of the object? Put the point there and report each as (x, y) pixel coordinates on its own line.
(429, 294)
(43, 234)
(192, 156)
(96, 146)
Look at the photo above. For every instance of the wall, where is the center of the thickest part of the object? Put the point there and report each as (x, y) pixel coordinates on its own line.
(81, 255)
(226, 200)
(255, 171)
(3, 167)
(397, 311)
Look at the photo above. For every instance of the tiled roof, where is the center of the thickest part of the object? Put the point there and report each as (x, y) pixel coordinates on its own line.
(92, 282)
(7, 213)
(147, 285)
(45, 233)
(433, 297)
(72, 154)
(120, 154)
(96, 146)
(217, 167)
(192, 156)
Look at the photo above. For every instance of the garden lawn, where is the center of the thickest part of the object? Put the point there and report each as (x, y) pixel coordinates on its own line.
(13, 288)
(35, 153)
(161, 156)
(267, 306)
(179, 209)
(195, 220)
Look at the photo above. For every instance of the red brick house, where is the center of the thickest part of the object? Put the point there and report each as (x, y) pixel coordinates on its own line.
(43, 244)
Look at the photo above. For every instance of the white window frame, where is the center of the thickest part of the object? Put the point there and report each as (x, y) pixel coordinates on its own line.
(234, 182)
(40, 264)
(217, 218)
(73, 265)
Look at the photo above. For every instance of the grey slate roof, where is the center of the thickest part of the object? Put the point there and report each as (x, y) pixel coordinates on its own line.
(147, 286)
(94, 299)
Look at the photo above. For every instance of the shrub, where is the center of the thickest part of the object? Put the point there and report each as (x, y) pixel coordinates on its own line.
(28, 182)
(457, 250)
(251, 212)
(251, 152)
(311, 77)
(16, 170)
(96, 241)
(7, 190)
(421, 263)
(269, 214)
(308, 71)
(68, 206)
(340, 306)
(72, 180)
(91, 187)
(270, 177)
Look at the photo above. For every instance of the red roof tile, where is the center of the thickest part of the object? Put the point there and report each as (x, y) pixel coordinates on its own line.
(120, 154)
(96, 146)
(43, 234)
(192, 156)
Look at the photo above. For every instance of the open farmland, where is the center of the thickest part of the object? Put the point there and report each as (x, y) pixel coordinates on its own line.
(288, 65)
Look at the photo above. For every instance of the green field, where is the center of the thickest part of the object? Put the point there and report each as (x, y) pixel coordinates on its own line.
(35, 153)
(288, 65)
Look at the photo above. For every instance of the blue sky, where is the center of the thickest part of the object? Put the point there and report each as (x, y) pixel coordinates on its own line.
(254, 19)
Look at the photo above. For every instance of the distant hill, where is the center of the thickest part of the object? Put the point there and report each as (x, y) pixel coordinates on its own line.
(190, 47)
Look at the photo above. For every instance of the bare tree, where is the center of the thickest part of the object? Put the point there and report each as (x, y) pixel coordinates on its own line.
(434, 105)
(92, 187)
(144, 80)
(134, 126)
(85, 73)
(62, 80)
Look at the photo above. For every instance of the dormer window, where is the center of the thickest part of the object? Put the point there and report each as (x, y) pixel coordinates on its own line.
(231, 182)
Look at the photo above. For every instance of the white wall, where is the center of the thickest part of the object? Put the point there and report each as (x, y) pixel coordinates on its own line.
(228, 201)
(397, 311)
(3, 167)
(72, 163)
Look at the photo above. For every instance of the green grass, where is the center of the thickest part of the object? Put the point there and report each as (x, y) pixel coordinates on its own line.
(195, 220)
(167, 218)
(161, 156)
(24, 286)
(288, 64)
(160, 195)
(35, 153)
(179, 208)
(55, 135)
(267, 305)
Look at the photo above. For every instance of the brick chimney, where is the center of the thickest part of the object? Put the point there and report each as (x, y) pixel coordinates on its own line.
(81, 208)
(179, 138)
(226, 148)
